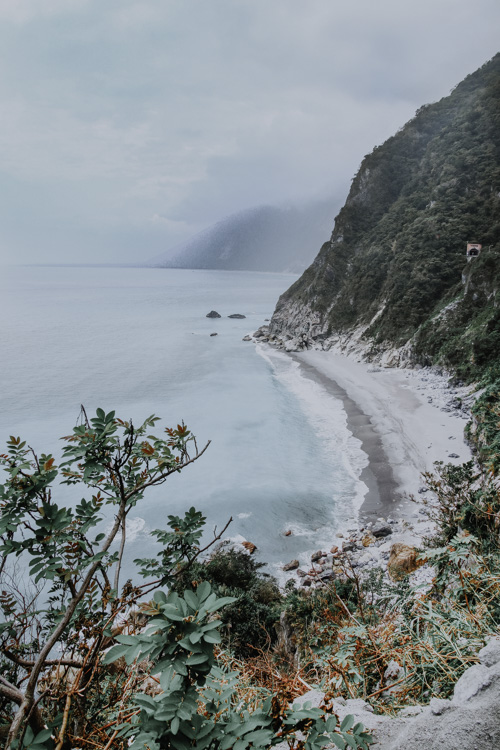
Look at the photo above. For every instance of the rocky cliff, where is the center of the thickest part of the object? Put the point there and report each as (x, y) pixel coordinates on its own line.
(393, 280)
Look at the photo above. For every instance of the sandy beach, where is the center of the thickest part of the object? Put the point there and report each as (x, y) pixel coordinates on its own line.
(405, 419)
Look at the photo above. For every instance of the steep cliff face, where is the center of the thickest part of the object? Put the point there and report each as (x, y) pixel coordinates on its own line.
(390, 278)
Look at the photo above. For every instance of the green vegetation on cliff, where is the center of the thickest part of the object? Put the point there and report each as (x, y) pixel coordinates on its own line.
(396, 259)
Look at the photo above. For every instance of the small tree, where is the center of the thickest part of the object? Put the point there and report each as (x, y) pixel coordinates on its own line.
(56, 690)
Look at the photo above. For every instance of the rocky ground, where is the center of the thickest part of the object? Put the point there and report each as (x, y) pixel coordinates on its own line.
(470, 720)
(389, 544)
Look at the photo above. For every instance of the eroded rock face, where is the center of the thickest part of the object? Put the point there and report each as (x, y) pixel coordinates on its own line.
(261, 333)
(471, 720)
(490, 654)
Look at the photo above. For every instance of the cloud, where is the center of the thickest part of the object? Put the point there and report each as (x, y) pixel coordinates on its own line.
(121, 111)
(24, 11)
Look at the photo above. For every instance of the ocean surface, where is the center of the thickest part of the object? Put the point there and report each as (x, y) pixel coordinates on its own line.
(138, 341)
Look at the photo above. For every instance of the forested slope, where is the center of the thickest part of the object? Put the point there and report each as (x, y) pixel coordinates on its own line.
(394, 273)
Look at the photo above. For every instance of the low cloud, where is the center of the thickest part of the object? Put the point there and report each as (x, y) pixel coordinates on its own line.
(122, 111)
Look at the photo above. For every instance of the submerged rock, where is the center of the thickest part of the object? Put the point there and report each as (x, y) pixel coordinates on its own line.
(237, 315)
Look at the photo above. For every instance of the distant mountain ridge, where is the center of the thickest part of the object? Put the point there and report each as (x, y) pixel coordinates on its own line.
(265, 238)
(393, 278)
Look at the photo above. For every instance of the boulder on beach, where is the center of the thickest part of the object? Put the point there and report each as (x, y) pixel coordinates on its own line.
(367, 539)
(250, 547)
(213, 314)
(237, 315)
(261, 332)
(402, 561)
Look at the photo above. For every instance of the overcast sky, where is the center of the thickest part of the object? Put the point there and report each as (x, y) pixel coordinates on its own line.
(127, 126)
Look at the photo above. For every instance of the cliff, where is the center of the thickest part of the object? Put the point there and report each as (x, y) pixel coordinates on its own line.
(393, 280)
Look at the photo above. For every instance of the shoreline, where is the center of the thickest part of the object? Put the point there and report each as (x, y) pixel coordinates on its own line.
(405, 420)
(378, 476)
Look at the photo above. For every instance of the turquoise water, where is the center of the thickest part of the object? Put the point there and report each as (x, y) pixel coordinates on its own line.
(138, 341)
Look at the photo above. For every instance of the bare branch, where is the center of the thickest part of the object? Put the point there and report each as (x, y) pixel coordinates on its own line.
(47, 663)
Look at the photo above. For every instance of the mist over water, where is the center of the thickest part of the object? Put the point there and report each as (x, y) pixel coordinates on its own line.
(138, 341)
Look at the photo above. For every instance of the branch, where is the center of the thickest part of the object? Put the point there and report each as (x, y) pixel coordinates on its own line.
(47, 663)
(10, 692)
(163, 476)
(120, 554)
(56, 634)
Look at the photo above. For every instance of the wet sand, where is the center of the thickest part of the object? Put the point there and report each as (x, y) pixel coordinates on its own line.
(403, 420)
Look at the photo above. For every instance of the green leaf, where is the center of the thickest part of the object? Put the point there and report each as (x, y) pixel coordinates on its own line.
(350, 741)
(191, 599)
(115, 653)
(196, 659)
(203, 591)
(338, 740)
(347, 723)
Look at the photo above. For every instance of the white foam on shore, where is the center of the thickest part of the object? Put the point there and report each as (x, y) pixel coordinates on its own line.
(328, 418)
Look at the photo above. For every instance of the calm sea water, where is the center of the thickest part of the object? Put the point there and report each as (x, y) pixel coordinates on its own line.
(138, 341)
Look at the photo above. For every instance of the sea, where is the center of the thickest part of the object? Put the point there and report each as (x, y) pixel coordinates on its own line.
(137, 341)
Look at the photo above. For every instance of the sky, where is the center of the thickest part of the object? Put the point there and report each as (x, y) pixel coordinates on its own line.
(127, 126)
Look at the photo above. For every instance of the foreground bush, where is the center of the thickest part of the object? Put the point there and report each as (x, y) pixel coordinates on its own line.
(161, 685)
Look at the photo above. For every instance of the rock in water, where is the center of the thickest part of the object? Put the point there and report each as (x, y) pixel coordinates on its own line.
(381, 529)
(213, 334)
(293, 565)
(213, 314)
(237, 315)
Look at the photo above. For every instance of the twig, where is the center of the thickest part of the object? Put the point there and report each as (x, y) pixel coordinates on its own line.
(388, 687)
